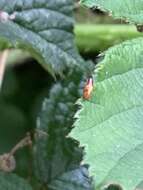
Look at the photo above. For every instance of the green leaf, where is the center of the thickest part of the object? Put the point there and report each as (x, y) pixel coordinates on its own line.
(54, 123)
(55, 155)
(12, 182)
(43, 28)
(129, 10)
(109, 125)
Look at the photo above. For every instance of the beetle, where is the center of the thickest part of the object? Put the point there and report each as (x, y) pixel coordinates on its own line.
(88, 89)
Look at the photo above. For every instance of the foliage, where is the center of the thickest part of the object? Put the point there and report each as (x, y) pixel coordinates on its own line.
(52, 147)
(115, 131)
(129, 10)
(50, 42)
(109, 125)
(45, 30)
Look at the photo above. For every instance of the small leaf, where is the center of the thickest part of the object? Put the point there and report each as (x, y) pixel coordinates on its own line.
(129, 10)
(54, 153)
(56, 156)
(12, 182)
(109, 125)
(43, 28)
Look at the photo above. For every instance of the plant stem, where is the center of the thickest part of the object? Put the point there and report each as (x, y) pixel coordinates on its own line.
(104, 36)
(3, 59)
(24, 142)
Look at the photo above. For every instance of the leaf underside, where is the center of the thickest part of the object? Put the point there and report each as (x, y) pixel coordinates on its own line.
(110, 124)
(43, 28)
(129, 10)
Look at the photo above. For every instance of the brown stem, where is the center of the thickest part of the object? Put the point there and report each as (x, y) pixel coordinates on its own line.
(24, 142)
(3, 59)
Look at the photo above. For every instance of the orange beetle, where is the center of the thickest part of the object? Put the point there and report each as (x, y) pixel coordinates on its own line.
(88, 89)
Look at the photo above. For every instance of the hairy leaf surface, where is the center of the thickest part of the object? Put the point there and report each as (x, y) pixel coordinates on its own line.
(109, 125)
(43, 28)
(57, 157)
